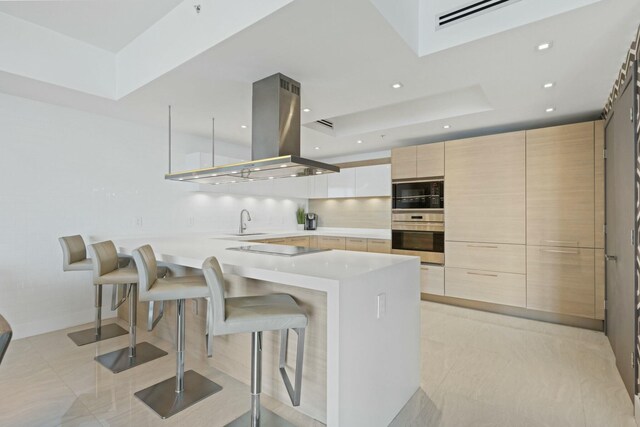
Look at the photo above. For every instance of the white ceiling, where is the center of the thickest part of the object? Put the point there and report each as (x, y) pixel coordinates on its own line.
(346, 56)
(107, 24)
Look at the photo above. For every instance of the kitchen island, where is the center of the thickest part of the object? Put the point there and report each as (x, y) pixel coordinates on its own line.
(362, 353)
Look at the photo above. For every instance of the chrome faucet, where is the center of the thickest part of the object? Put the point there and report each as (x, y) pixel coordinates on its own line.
(243, 226)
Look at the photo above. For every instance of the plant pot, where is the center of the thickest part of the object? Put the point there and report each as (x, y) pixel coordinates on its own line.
(300, 227)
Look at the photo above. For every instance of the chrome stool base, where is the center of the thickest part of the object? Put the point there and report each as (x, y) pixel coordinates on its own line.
(119, 360)
(164, 400)
(267, 419)
(88, 336)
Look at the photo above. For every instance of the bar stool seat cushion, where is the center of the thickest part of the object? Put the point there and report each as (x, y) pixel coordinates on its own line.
(120, 276)
(82, 265)
(175, 288)
(261, 313)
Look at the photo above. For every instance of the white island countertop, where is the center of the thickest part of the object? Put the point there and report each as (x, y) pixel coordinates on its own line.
(372, 316)
(315, 271)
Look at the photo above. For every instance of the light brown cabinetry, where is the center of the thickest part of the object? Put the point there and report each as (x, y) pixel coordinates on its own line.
(485, 189)
(313, 241)
(403, 163)
(560, 186)
(422, 161)
(599, 183)
(297, 241)
(327, 242)
(380, 246)
(561, 280)
(432, 279)
(599, 281)
(356, 244)
(492, 287)
(430, 160)
(487, 256)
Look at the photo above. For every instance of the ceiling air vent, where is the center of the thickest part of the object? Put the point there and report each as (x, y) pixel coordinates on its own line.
(470, 11)
(325, 122)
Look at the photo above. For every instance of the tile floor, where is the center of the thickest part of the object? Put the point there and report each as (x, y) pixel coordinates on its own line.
(479, 369)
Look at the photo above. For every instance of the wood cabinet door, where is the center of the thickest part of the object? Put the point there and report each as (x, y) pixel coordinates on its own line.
(298, 241)
(493, 287)
(432, 279)
(380, 246)
(560, 186)
(484, 193)
(356, 244)
(403, 163)
(327, 242)
(486, 256)
(599, 183)
(561, 280)
(430, 160)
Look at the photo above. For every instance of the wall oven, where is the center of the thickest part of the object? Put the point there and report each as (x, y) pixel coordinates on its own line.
(427, 194)
(418, 233)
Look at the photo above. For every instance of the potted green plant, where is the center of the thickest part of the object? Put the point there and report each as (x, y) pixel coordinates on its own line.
(300, 213)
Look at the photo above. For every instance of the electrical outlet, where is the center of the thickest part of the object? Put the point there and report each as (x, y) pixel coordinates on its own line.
(382, 305)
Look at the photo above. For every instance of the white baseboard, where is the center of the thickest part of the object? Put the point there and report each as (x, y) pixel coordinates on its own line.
(636, 409)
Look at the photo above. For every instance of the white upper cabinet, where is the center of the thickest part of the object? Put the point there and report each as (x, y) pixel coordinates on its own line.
(373, 181)
(319, 187)
(342, 184)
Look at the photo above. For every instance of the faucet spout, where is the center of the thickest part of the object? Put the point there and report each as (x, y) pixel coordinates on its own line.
(243, 225)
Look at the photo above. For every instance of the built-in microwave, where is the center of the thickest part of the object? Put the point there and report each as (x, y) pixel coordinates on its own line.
(418, 233)
(427, 194)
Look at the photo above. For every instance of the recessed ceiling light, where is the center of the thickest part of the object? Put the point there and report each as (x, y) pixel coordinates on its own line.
(270, 177)
(234, 171)
(548, 85)
(397, 85)
(544, 46)
(233, 182)
(293, 175)
(319, 173)
(243, 126)
(446, 126)
(215, 174)
(283, 166)
(256, 169)
(359, 141)
(316, 148)
(306, 110)
(550, 110)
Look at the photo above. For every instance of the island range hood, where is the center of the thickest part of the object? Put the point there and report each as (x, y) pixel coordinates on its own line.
(275, 140)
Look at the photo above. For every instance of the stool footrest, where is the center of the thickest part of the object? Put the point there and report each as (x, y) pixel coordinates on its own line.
(164, 401)
(88, 336)
(294, 393)
(119, 360)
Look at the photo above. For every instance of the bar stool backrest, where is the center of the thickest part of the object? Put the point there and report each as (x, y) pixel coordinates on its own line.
(104, 258)
(73, 250)
(5, 336)
(147, 267)
(215, 281)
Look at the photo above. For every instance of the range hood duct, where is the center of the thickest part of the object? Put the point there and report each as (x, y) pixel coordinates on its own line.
(275, 140)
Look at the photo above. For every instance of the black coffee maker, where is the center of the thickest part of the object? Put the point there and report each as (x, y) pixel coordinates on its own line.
(310, 221)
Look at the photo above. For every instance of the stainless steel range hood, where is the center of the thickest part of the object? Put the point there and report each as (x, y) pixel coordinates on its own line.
(275, 142)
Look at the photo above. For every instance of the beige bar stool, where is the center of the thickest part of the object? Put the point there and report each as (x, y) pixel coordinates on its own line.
(172, 395)
(255, 314)
(106, 271)
(74, 258)
(5, 336)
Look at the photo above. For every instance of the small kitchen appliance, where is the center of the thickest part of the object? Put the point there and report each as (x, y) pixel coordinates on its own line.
(311, 221)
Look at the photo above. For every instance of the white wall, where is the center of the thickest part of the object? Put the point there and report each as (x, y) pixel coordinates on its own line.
(67, 172)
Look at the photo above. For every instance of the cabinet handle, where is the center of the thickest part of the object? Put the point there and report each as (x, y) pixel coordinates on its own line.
(481, 274)
(563, 241)
(482, 246)
(558, 251)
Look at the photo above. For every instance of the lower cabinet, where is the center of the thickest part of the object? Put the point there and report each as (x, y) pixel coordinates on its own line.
(599, 280)
(380, 246)
(561, 280)
(297, 241)
(486, 256)
(327, 242)
(492, 287)
(432, 279)
(354, 244)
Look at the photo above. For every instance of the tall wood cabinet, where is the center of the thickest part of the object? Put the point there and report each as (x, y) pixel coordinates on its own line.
(561, 219)
(485, 189)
